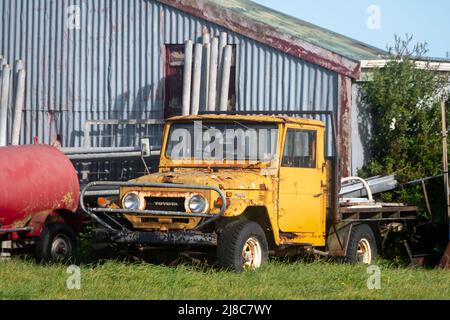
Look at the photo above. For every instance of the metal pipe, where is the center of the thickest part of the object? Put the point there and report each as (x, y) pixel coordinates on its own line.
(198, 52)
(5, 83)
(25, 229)
(206, 38)
(223, 39)
(118, 155)
(98, 150)
(205, 75)
(18, 106)
(365, 184)
(320, 253)
(187, 78)
(212, 96)
(445, 161)
(102, 193)
(225, 83)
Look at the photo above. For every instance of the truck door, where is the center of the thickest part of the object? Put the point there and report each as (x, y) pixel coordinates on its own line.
(302, 192)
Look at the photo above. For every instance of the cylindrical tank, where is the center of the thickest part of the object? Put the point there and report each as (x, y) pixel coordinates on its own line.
(35, 179)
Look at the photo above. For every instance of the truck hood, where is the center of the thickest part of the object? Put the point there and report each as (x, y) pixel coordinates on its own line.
(234, 179)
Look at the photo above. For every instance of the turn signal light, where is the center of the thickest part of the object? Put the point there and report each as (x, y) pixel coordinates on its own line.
(218, 203)
(102, 202)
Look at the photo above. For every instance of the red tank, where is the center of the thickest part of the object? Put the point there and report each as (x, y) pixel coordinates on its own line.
(35, 179)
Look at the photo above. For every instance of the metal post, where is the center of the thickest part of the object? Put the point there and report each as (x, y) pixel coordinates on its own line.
(198, 53)
(213, 75)
(5, 81)
(206, 41)
(187, 78)
(2, 62)
(445, 160)
(18, 106)
(223, 39)
(225, 83)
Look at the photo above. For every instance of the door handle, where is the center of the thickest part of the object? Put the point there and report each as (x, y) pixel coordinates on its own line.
(318, 195)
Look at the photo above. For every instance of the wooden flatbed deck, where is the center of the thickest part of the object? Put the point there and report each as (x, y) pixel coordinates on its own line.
(378, 212)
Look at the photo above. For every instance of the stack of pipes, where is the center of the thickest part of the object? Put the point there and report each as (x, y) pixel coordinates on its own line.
(14, 86)
(206, 80)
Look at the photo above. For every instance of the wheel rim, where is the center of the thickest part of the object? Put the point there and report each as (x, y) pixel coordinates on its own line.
(364, 252)
(251, 254)
(61, 247)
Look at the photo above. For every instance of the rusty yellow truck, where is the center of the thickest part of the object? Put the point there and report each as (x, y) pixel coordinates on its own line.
(248, 186)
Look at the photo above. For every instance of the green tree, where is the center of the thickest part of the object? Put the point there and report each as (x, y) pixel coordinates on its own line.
(403, 102)
(403, 108)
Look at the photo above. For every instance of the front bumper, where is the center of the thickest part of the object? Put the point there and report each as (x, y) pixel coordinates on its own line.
(121, 234)
(166, 238)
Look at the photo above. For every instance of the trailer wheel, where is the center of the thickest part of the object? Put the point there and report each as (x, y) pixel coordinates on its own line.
(242, 245)
(56, 244)
(362, 246)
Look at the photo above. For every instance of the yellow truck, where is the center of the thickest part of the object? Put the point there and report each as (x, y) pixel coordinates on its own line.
(248, 186)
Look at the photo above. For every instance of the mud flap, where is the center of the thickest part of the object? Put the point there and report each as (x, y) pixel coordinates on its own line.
(338, 238)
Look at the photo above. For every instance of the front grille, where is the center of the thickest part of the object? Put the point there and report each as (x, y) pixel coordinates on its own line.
(165, 204)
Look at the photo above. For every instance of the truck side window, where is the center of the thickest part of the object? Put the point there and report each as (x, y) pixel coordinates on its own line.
(300, 149)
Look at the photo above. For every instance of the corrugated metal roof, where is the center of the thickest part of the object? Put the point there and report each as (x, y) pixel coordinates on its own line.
(291, 35)
(306, 31)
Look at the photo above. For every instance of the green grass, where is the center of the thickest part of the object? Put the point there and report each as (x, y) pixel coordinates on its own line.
(25, 279)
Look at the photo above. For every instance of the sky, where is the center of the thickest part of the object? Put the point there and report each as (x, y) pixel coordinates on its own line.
(375, 22)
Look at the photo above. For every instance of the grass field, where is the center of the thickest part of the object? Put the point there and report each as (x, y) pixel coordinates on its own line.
(25, 279)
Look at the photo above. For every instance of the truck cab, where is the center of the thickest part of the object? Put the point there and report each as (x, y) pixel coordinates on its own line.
(246, 185)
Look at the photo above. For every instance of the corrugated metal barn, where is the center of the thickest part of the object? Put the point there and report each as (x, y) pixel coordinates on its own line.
(115, 59)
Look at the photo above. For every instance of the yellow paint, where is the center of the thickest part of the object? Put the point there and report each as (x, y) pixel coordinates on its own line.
(295, 198)
(301, 196)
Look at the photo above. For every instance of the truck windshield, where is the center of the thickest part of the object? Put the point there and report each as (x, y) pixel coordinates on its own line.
(222, 141)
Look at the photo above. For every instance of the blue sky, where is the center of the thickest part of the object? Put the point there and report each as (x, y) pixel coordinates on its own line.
(427, 20)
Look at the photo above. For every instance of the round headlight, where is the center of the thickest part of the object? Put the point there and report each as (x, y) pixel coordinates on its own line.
(197, 204)
(131, 201)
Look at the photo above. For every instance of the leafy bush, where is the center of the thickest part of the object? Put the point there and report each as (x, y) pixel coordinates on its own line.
(403, 108)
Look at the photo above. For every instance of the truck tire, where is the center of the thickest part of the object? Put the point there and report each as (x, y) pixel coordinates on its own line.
(242, 245)
(57, 243)
(362, 246)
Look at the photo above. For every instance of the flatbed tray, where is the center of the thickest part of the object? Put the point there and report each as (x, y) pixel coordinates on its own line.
(378, 212)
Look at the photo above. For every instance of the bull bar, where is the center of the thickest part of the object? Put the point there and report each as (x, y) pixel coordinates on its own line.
(125, 235)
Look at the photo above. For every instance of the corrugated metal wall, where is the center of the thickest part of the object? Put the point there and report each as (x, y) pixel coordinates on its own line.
(113, 66)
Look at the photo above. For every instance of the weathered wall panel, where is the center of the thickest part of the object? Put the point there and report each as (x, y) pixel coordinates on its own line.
(113, 66)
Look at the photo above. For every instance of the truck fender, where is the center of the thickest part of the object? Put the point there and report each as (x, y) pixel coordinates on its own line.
(39, 220)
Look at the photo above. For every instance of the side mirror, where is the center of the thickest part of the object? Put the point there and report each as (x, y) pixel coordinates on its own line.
(145, 147)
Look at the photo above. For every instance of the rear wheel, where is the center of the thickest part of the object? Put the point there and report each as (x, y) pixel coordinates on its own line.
(242, 245)
(56, 243)
(362, 246)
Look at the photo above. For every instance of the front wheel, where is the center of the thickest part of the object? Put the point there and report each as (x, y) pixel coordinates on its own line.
(242, 245)
(362, 246)
(56, 243)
